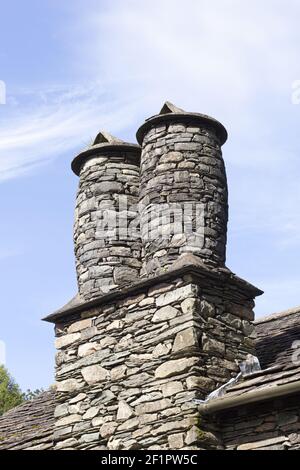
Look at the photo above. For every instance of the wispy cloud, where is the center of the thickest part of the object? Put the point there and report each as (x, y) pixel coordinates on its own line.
(206, 52)
(232, 60)
(221, 57)
(41, 125)
(235, 61)
(9, 253)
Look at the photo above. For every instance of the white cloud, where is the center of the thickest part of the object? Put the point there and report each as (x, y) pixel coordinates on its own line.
(235, 61)
(42, 125)
(220, 57)
(205, 52)
(9, 253)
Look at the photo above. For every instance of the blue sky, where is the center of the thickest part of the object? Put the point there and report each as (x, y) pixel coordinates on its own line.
(74, 67)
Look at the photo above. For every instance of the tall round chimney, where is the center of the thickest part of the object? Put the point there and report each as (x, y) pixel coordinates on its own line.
(183, 189)
(106, 238)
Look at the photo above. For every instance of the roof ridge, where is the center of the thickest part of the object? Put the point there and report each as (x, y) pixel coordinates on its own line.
(277, 315)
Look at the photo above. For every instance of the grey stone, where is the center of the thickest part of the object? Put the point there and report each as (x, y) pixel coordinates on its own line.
(262, 443)
(172, 157)
(164, 167)
(97, 422)
(176, 441)
(202, 383)
(188, 146)
(69, 385)
(124, 411)
(128, 425)
(189, 305)
(87, 438)
(176, 295)
(80, 325)
(118, 372)
(161, 350)
(164, 314)
(66, 340)
(107, 429)
(115, 325)
(101, 271)
(78, 398)
(82, 426)
(67, 420)
(67, 443)
(152, 406)
(63, 432)
(207, 309)
(285, 418)
(109, 187)
(87, 349)
(171, 388)
(172, 426)
(176, 367)
(61, 410)
(94, 374)
(185, 339)
(211, 345)
(124, 275)
(91, 413)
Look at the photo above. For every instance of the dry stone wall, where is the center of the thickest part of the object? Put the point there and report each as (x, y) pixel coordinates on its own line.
(128, 370)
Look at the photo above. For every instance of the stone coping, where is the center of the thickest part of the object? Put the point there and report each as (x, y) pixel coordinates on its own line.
(201, 119)
(105, 149)
(200, 273)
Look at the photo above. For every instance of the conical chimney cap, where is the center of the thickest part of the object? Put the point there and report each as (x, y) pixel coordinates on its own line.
(170, 113)
(169, 108)
(104, 143)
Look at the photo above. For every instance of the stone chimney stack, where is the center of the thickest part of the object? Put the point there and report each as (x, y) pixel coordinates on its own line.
(131, 365)
(107, 251)
(183, 189)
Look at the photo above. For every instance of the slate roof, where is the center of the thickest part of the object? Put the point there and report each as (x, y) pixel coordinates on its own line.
(276, 335)
(271, 377)
(30, 425)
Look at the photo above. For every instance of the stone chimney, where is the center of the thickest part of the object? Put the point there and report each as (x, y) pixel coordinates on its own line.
(183, 189)
(107, 246)
(134, 355)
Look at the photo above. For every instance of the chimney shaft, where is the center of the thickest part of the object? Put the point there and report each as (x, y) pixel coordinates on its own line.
(107, 253)
(183, 189)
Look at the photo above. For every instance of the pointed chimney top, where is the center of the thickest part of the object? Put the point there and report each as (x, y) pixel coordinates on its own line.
(171, 113)
(107, 144)
(106, 138)
(169, 108)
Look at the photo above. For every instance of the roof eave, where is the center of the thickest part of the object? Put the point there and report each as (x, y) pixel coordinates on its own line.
(254, 396)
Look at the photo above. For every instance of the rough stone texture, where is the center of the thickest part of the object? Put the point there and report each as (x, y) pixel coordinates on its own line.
(107, 245)
(267, 426)
(183, 184)
(30, 425)
(146, 364)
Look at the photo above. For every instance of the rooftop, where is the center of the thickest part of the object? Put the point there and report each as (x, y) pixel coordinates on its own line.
(31, 424)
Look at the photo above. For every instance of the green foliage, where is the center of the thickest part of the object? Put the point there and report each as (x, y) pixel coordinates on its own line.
(31, 394)
(10, 392)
